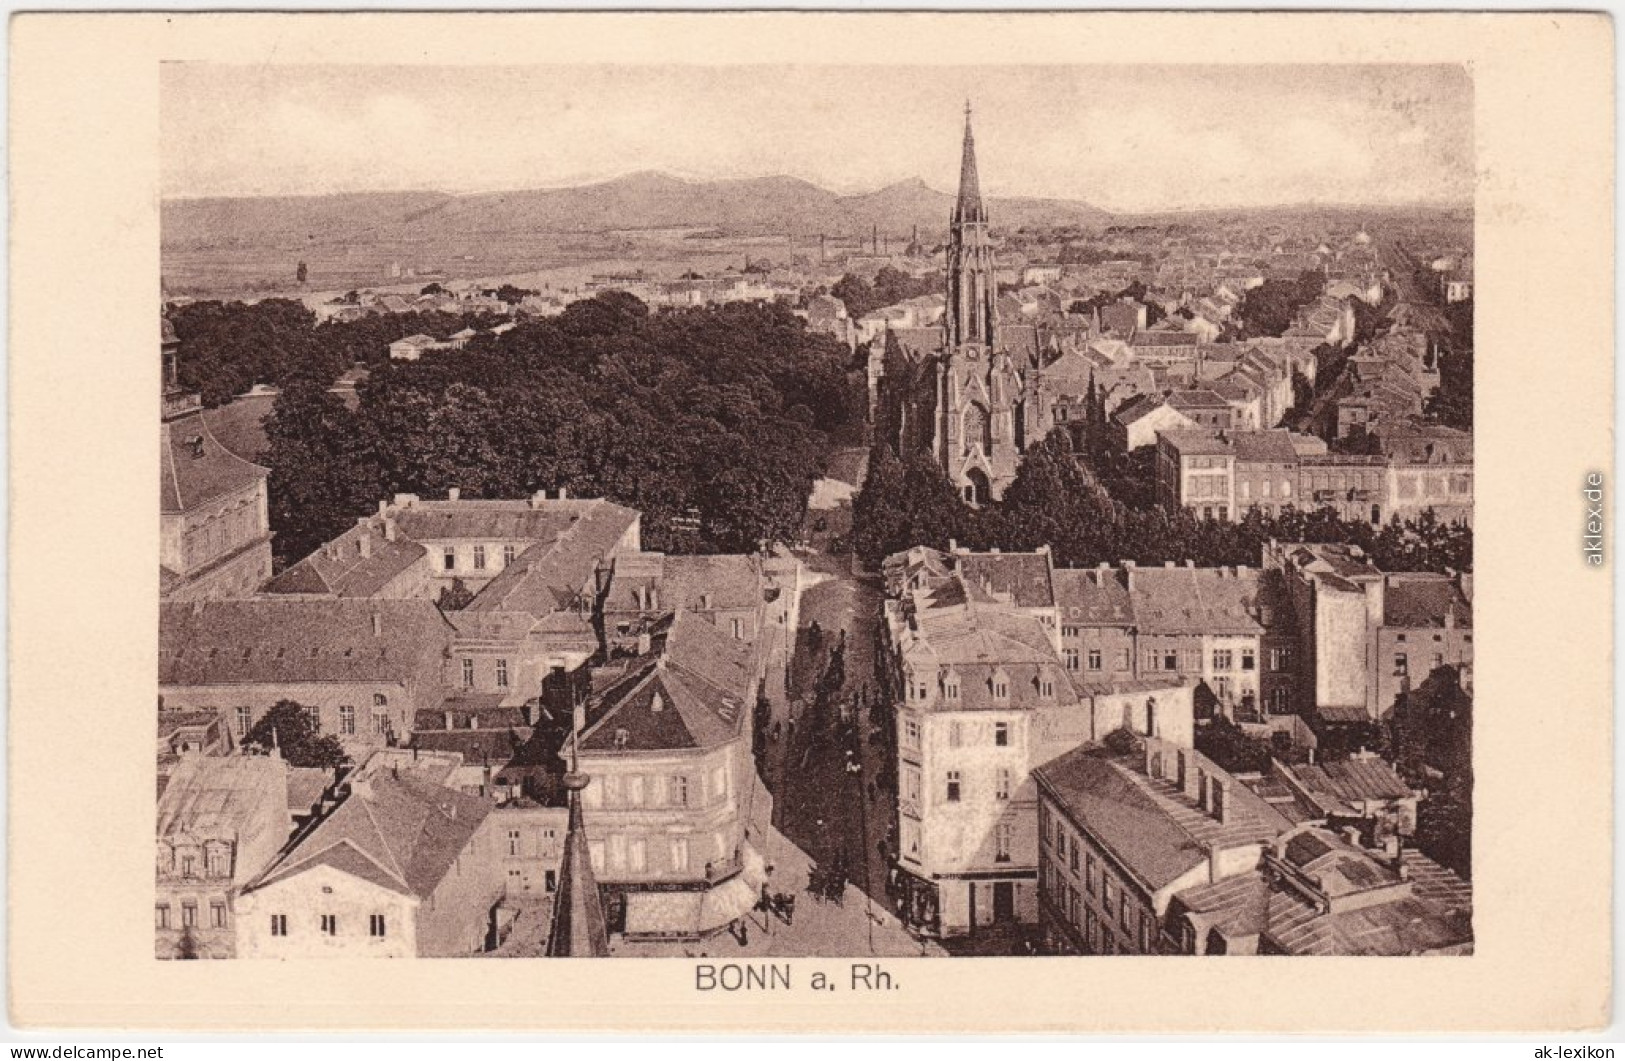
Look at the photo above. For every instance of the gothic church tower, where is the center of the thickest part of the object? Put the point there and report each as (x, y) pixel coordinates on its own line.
(978, 436)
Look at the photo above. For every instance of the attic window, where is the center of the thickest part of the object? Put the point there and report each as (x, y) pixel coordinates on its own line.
(315, 651)
(279, 652)
(248, 652)
(622, 737)
(195, 442)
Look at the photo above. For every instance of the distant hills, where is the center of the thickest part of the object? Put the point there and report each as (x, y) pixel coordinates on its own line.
(638, 201)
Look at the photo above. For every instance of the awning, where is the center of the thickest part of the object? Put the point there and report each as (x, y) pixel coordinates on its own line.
(662, 913)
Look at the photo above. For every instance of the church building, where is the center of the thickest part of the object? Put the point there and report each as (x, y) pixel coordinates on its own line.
(967, 390)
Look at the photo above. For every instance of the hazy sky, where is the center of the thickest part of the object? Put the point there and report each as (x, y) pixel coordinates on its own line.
(1125, 137)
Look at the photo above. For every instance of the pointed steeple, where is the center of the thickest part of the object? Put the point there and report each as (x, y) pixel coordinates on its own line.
(972, 291)
(968, 208)
(579, 929)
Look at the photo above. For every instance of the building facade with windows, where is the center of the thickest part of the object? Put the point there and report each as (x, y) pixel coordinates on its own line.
(221, 820)
(1124, 829)
(666, 741)
(214, 536)
(401, 867)
(362, 667)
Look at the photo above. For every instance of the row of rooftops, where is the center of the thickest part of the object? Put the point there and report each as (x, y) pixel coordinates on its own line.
(1172, 598)
(1161, 811)
(1398, 443)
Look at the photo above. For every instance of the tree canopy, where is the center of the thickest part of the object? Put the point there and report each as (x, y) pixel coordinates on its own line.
(288, 728)
(712, 422)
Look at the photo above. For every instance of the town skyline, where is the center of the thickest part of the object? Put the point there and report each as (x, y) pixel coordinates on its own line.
(1127, 140)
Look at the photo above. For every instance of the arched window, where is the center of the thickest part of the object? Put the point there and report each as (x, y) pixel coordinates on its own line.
(977, 429)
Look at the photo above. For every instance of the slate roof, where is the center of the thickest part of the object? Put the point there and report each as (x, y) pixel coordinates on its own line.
(1421, 600)
(239, 425)
(1025, 576)
(1196, 600)
(358, 563)
(1148, 824)
(196, 469)
(1273, 446)
(496, 747)
(1093, 596)
(975, 642)
(398, 833)
(299, 640)
(691, 691)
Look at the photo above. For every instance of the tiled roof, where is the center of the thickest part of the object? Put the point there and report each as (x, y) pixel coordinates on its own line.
(239, 425)
(298, 640)
(1198, 600)
(399, 833)
(196, 469)
(1421, 600)
(555, 573)
(358, 563)
(1273, 446)
(1147, 823)
(692, 691)
(1025, 576)
(495, 747)
(1193, 441)
(1093, 596)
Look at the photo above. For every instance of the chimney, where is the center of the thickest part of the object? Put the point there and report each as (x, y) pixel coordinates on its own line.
(474, 721)
(364, 543)
(654, 599)
(1214, 870)
(383, 508)
(1221, 796)
(645, 643)
(485, 780)
(453, 494)
(450, 720)
(1189, 776)
(537, 498)
(389, 528)
(1168, 564)
(564, 494)
(377, 625)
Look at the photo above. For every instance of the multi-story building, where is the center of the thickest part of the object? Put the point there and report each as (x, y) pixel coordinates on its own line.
(1196, 470)
(1427, 623)
(221, 819)
(1429, 467)
(1123, 832)
(666, 739)
(214, 530)
(1365, 637)
(361, 668)
(401, 867)
(985, 697)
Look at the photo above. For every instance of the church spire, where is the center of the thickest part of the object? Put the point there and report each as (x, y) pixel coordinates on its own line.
(578, 928)
(972, 292)
(969, 209)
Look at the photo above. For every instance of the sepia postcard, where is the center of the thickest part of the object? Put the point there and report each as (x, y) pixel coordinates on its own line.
(913, 523)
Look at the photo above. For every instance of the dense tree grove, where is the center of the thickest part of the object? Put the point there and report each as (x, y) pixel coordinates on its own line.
(712, 422)
(1269, 309)
(228, 347)
(1057, 500)
(890, 286)
(1452, 403)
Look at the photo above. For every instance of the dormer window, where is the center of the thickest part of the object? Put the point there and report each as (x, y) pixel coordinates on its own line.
(950, 685)
(1000, 685)
(621, 738)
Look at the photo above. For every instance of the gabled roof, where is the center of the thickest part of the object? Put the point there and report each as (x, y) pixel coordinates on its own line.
(691, 691)
(396, 832)
(1093, 596)
(358, 563)
(554, 574)
(1196, 600)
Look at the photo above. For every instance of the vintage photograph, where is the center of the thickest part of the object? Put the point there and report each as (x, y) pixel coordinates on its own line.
(743, 513)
